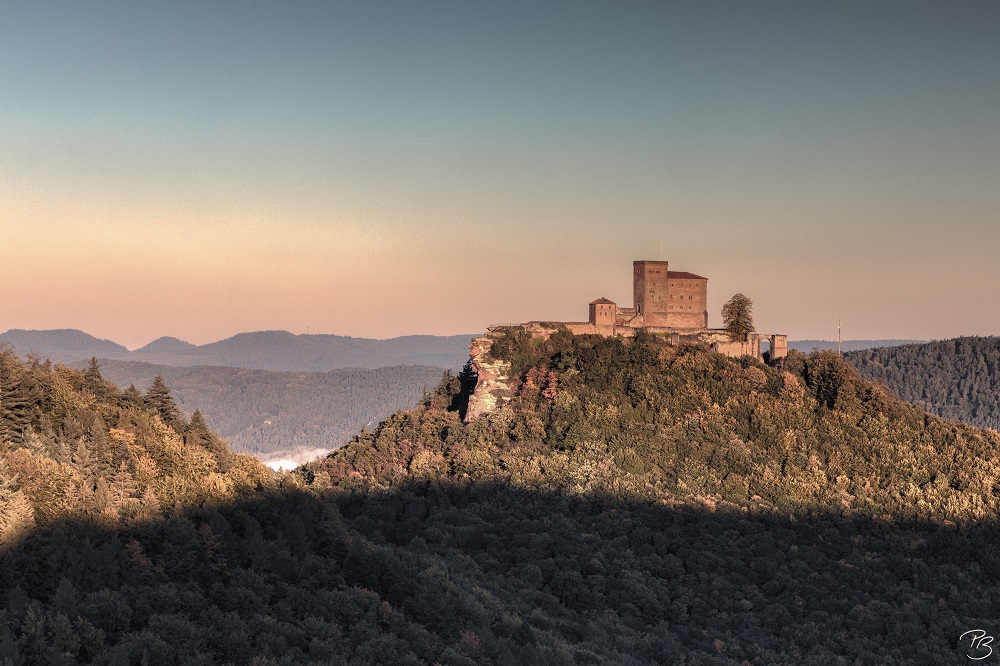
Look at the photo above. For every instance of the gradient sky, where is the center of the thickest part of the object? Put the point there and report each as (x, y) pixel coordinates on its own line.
(376, 169)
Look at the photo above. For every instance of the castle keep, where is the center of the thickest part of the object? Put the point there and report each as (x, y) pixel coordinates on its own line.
(661, 298)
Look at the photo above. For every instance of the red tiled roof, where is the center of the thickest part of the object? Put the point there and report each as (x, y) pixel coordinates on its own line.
(684, 275)
(602, 301)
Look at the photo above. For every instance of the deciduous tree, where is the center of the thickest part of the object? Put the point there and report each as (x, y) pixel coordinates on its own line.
(737, 317)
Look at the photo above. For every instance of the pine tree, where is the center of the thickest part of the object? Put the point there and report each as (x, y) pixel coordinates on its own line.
(161, 402)
(17, 516)
(104, 501)
(198, 432)
(72, 499)
(122, 487)
(84, 460)
(131, 397)
(92, 375)
(149, 504)
(15, 405)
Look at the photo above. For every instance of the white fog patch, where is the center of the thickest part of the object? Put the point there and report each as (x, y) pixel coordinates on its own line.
(287, 460)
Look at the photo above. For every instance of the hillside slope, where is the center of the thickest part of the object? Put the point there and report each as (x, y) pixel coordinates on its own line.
(956, 379)
(633, 503)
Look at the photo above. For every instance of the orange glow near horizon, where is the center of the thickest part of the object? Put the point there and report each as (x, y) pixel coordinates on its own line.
(123, 273)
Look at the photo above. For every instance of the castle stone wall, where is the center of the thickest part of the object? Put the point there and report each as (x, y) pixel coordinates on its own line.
(687, 303)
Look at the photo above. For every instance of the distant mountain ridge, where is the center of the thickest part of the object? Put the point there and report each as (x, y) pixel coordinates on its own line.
(281, 350)
(67, 343)
(260, 350)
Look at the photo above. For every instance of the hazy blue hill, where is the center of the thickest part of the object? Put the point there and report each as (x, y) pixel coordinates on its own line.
(166, 344)
(957, 379)
(807, 346)
(280, 350)
(60, 345)
(262, 350)
(266, 412)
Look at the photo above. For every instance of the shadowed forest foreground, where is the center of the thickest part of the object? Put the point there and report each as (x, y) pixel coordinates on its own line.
(468, 573)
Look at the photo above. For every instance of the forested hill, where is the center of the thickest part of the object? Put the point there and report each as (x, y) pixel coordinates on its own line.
(956, 379)
(634, 503)
(73, 445)
(273, 414)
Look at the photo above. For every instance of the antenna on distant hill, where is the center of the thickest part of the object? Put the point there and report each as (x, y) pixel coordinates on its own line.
(838, 338)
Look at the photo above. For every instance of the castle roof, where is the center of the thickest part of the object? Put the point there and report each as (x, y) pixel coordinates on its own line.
(684, 275)
(602, 301)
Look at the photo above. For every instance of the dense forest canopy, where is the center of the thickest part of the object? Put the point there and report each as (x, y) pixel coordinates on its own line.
(956, 379)
(635, 503)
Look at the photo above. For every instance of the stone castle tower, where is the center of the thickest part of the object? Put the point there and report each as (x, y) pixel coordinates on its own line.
(674, 299)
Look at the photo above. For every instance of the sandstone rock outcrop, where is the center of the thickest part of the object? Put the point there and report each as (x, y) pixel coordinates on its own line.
(493, 383)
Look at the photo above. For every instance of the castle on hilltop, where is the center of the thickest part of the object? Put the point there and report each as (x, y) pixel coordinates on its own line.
(669, 302)
(672, 303)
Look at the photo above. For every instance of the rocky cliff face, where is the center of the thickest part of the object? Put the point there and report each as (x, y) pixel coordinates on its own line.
(493, 385)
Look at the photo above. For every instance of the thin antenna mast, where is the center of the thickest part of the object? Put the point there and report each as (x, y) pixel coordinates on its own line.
(661, 251)
(838, 338)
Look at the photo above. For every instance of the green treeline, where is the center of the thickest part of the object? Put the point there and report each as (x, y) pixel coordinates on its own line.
(635, 503)
(956, 379)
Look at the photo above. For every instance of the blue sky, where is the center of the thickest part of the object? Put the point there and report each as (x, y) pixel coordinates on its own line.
(379, 169)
